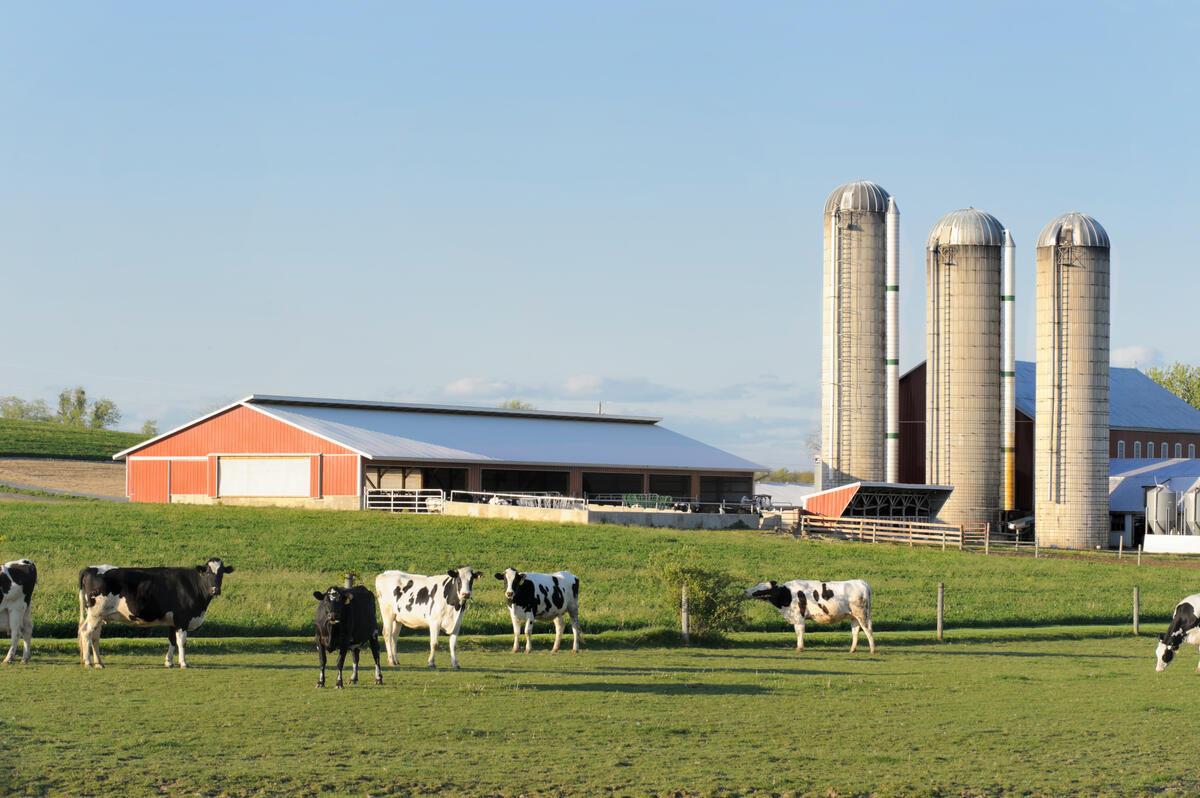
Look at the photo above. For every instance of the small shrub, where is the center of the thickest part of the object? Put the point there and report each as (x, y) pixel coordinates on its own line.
(716, 603)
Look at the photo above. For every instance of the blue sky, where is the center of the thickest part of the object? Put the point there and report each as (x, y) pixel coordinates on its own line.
(564, 203)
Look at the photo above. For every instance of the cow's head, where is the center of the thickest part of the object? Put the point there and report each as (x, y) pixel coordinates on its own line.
(334, 601)
(1168, 644)
(211, 574)
(464, 578)
(512, 579)
(771, 591)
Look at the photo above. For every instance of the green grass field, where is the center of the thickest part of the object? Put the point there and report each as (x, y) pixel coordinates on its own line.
(1008, 712)
(283, 555)
(41, 439)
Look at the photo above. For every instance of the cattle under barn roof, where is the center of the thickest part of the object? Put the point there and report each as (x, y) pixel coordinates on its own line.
(395, 431)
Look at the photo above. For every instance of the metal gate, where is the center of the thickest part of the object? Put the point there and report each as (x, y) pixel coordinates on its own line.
(406, 501)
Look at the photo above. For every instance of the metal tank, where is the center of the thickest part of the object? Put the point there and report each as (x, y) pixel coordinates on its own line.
(1190, 514)
(1072, 337)
(962, 389)
(854, 396)
(1162, 509)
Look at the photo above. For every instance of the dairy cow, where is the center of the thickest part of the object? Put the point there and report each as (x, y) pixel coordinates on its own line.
(436, 603)
(345, 621)
(823, 602)
(176, 598)
(541, 597)
(17, 580)
(1184, 628)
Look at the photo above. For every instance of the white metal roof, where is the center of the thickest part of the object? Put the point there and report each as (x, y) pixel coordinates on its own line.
(967, 227)
(1083, 229)
(392, 431)
(860, 195)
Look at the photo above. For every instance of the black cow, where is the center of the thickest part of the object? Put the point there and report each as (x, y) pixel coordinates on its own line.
(17, 580)
(176, 598)
(345, 622)
(1184, 628)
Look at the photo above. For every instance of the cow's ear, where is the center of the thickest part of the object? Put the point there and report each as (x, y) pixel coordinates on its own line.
(318, 595)
(520, 577)
(452, 572)
(201, 568)
(499, 576)
(397, 591)
(228, 569)
(773, 584)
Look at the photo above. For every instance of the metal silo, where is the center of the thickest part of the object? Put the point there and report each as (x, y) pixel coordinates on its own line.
(861, 225)
(962, 372)
(1162, 511)
(1190, 515)
(1071, 447)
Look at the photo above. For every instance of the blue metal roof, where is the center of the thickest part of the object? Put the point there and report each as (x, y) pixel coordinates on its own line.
(397, 432)
(1134, 401)
(1129, 478)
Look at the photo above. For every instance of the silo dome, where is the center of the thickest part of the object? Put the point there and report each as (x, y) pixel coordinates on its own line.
(1077, 229)
(861, 195)
(967, 227)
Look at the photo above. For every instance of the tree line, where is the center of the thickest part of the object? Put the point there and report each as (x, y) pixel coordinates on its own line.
(75, 409)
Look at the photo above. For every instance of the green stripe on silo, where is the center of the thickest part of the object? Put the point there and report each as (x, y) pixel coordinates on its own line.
(891, 288)
(891, 362)
(893, 436)
(1008, 298)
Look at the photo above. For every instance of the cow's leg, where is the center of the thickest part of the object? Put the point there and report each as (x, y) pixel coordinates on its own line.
(181, 644)
(529, 634)
(375, 654)
(516, 632)
(864, 621)
(354, 671)
(94, 643)
(27, 634)
(854, 624)
(170, 646)
(454, 649)
(15, 619)
(576, 635)
(799, 627)
(559, 625)
(433, 637)
(89, 641)
(341, 664)
(321, 660)
(390, 630)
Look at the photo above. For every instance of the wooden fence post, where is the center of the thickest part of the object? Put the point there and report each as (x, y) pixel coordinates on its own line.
(1139, 554)
(1137, 609)
(684, 616)
(987, 538)
(1121, 546)
(1035, 546)
(941, 607)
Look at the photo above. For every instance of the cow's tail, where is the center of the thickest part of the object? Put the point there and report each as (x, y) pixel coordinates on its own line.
(82, 600)
(870, 620)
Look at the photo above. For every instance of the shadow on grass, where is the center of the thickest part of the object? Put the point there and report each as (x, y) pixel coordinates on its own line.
(668, 688)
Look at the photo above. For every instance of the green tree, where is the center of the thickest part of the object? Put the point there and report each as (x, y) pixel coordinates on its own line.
(72, 406)
(17, 408)
(103, 414)
(515, 404)
(1180, 379)
(150, 428)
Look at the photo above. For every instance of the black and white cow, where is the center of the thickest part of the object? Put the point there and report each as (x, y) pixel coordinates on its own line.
(176, 598)
(436, 603)
(345, 621)
(17, 581)
(1184, 628)
(823, 602)
(541, 597)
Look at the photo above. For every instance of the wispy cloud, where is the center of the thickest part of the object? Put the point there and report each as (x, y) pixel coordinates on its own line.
(1136, 356)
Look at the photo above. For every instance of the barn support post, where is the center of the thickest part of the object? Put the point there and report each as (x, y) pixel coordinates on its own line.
(1137, 610)
(941, 608)
(684, 619)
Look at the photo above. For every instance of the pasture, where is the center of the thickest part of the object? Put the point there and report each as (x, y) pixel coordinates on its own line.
(283, 555)
(1056, 711)
(43, 439)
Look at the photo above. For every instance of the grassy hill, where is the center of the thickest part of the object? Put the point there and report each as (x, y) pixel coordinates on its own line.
(41, 439)
(282, 555)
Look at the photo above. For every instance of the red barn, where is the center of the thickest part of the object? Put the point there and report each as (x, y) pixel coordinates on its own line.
(296, 451)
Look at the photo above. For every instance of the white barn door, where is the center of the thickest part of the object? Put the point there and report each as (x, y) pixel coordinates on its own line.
(263, 476)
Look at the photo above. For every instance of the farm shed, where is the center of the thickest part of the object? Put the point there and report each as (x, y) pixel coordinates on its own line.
(332, 453)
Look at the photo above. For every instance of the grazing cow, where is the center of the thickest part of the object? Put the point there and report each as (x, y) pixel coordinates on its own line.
(823, 602)
(17, 581)
(176, 598)
(541, 597)
(1184, 628)
(436, 603)
(346, 622)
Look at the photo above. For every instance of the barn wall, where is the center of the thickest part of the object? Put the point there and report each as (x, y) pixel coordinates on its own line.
(240, 430)
(831, 503)
(189, 476)
(339, 475)
(147, 480)
(1157, 438)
